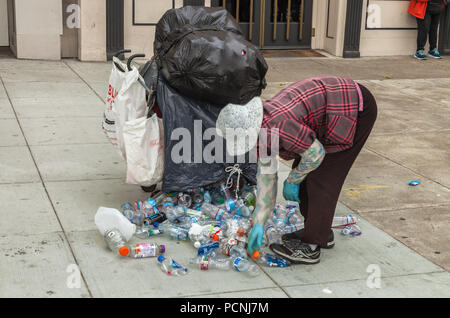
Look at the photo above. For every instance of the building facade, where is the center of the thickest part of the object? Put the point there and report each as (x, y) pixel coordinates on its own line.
(93, 30)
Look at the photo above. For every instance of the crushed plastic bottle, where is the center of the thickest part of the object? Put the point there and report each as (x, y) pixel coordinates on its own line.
(269, 260)
(351, 230)
(230, 204)
(169, 266)
(172, 212)
(243, 265)
(213, 211)
(206, 248)
(184, 200)
(272, 235)
(238, 251)
(144, 250)
(135, 217)
(147, 231)
(343, 221)
(173, 231)
(209, 262)
(226, 244)
(242, 210)
(248, 196)
(207, 198)
(116, 242)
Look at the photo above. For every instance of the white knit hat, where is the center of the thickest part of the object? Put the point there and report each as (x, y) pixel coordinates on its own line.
(240, 126)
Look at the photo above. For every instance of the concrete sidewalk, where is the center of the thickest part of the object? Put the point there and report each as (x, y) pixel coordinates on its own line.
(57, 168)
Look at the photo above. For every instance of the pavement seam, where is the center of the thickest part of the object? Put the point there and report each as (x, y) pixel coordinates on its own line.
(426, 205)
(231, 292)
(410, 169)
(45, 189)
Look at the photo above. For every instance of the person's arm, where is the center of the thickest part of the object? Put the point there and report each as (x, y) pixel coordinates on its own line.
(267, 182)
(311, 160)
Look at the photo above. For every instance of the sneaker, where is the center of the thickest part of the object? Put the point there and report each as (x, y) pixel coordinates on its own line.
(434, 54)
(297, 235)
(297, 252)
(420, 55)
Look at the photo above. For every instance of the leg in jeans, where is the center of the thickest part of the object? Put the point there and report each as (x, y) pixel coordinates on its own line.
(323, 186)
(423, 26)
(433, 34)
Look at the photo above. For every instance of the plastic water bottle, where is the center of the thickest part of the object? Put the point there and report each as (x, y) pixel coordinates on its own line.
(242, 209)
(207, 262)
(213, 211)
(107, 219)
(229, 202)
(199, 234)
(116, 242)
(248, 197)
(169, 266)
(133, 216)
(216, 197)
(172, 212)
(155, 218)
(146, 232)
(290, 228)
(343, 221)
(184, 199)
(238, 226)
(292, 217)
(207, 198)
(197, 196)
(226, 244)
(174, 231)
(143, 250)
(206, 248)
(244, 265)
(272, 235)
(269, 260)
(162, 198)
(150, 206)
(238, 251)
(351, 230)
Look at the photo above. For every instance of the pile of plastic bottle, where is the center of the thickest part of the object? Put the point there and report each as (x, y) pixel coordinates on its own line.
(216, 220)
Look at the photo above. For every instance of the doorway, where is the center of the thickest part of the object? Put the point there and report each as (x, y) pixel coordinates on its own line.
(4, 33)
(273, 24)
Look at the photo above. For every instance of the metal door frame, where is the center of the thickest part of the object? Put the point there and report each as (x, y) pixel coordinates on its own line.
(257, 32)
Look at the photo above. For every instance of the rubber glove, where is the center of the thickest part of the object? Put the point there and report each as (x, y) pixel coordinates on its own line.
(291, 191)
(255, 238)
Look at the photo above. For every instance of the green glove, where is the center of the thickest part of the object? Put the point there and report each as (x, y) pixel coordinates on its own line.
(255, 238)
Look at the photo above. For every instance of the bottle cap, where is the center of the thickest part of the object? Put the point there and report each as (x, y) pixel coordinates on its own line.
(161, 258)
(256, 254)
(162, 249)
(124, 251)
(240, 232)
(197, 244)
(215, 237)
(155, 224)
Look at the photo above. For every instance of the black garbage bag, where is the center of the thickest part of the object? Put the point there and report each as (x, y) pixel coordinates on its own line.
(185, 115)
(202, 54)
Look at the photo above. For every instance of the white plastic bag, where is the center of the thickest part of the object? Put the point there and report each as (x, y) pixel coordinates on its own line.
(144, 144)
(126, 101)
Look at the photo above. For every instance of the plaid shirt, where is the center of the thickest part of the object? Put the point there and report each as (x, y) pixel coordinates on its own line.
(325, 108)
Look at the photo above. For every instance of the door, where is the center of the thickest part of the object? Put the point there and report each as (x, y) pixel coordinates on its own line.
(4, 34)
(273, 24)
(69, 38)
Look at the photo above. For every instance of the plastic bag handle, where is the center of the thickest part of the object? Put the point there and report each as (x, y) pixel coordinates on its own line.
(131, 58)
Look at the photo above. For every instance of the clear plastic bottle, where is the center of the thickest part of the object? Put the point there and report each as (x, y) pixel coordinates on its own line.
(172, 212)
(216, 197)
(213, 211)
(292, 217)
(244, 265)
(229, 202)
(209, 262)
(237, 226)
(242, 209)
(207, 198)
(290, 228)
(226, 244)
(149, 207)
(146, 231)
(197, 196)
(135, 217)
(184, 199)
(161, 198)
(238, 251)
(143, 250)
(174, 231)
(351, 230)
(207, 248)
(248, 197)
(269, 260)
(116, 242)
(272, 235)
(343, 221)
(169, 266)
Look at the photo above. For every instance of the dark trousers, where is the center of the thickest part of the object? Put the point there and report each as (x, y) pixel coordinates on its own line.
(428, 27)
(320, 190)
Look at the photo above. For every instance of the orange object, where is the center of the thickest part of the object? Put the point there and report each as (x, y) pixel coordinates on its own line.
(256, 254)
(240, 232)
(215, 237)
(124, 251)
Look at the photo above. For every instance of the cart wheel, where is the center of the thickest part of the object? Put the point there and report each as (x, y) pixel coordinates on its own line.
(149, 189)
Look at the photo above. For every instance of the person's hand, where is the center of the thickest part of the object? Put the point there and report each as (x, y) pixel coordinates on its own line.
(255, 238)
(291, 191)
